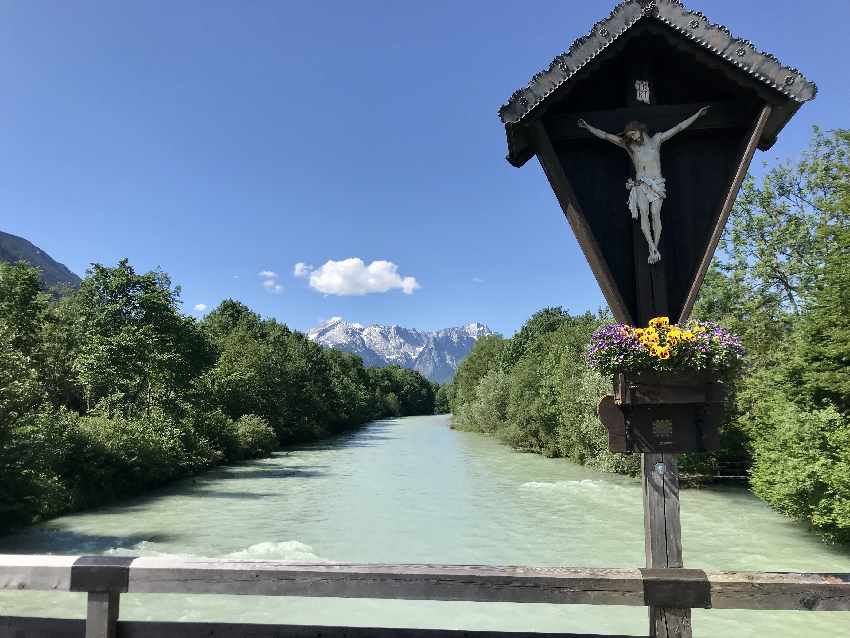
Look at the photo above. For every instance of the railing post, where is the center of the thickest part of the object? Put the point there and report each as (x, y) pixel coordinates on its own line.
(102, 614)
(663, 536)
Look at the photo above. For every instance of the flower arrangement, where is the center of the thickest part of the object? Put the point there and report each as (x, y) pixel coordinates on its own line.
(665, 347)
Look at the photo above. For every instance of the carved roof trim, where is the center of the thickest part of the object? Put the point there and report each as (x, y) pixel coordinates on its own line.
(694, 25)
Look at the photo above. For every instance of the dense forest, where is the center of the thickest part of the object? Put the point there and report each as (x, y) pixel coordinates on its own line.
(781, 280)
(108, 390)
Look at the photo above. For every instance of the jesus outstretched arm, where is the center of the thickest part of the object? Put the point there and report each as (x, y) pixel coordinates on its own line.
(663, 136)
(608, 137)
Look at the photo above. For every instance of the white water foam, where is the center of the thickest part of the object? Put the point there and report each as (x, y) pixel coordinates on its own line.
(144, 548)
(281, 550)
(566, 486)
(269, 550)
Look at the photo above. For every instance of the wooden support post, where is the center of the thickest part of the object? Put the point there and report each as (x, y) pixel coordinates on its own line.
(663, 536)
(102, 614)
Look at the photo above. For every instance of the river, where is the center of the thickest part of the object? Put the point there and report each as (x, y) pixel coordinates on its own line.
(414, 491)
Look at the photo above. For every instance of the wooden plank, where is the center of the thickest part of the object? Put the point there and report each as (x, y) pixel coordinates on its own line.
(729, 590)
(662, 527)
(666, 394)
(65, 628)
(407, 582)
(102, 614)
(222, 630)
(670, 623)
(726, 209)
(16, 627)
(37, 572)
(551, 165)
(663, 536)
(780, 590)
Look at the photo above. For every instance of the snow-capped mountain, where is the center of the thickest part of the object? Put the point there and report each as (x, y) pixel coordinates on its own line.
(435, 355)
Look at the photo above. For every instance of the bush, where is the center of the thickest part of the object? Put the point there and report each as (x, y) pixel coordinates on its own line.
(802, 464)
(112, 458)
(221, 433)
(256, 437)
(488, 411)
(31, 457)
(443, 399)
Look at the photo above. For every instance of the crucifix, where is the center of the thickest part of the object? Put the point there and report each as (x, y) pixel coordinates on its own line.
(641, 128)
(651, 71)
(648, 189)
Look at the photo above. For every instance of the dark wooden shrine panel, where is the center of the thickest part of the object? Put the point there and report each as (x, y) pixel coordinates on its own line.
(598, 172)
(699, 167)
(698, 164)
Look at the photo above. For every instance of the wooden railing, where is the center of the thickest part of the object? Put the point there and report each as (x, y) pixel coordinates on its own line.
(105, 578)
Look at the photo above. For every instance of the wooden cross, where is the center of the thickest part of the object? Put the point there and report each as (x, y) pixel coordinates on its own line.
(650, 279)
(660, 479)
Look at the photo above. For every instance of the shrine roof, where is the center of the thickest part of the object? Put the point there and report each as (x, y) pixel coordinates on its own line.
(692, 25)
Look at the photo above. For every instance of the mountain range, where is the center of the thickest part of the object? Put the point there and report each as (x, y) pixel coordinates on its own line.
(14, 248)
(436, 354)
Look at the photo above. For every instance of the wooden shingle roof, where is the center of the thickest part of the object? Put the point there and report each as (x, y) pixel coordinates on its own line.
(526, 102)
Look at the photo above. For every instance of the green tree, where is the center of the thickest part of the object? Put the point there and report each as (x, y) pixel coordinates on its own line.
(485, 356)
(136, 350)
(541, 322)
(22, 305)
(443, 398)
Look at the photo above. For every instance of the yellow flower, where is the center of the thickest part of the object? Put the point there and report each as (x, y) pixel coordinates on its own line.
(688, 336)
(663, 353)
(672, 341)
(659, 322)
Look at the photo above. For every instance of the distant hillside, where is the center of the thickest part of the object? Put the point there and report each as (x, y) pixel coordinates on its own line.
(14, 248)
(435, 355)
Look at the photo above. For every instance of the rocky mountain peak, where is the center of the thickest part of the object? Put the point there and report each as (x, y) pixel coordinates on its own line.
(435, 354)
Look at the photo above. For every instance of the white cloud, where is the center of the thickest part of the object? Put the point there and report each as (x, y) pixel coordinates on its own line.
(269, 278)
(353, 277)
(301, 269)
(200, 307)
(272, 286)
(477, 280)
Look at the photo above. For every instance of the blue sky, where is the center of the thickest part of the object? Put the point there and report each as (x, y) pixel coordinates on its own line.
(217, 140)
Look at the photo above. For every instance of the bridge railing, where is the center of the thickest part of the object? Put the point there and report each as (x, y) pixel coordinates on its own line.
(105, 578)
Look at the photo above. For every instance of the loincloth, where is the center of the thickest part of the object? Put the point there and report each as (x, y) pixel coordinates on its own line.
(645, 191)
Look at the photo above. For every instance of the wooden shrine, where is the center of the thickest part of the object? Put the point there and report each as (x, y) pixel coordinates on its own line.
(645, 129)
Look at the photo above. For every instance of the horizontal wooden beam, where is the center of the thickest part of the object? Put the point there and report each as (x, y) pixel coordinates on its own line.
(405, 582)
(64, 628)
(658, 117)
(560, 585)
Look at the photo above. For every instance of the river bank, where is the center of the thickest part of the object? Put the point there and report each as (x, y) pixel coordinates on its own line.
(412, 490)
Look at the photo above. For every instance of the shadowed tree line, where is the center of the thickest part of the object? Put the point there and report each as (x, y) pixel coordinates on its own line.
(782, 281)
(109, 390)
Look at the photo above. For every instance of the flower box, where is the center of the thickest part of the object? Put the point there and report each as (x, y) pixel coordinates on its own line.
(669, 391)
(656, 412)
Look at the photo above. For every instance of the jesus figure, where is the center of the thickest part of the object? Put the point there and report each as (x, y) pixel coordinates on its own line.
(648, 189)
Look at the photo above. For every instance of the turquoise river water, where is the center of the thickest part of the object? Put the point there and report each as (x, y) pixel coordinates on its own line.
(414, 491)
